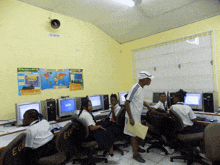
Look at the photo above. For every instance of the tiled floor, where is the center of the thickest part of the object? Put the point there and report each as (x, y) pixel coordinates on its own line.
(154, 157)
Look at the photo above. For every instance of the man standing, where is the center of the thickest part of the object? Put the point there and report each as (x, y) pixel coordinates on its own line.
(134, 106)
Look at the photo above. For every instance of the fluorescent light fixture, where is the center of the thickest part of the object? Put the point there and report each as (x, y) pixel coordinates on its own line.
(129, 3)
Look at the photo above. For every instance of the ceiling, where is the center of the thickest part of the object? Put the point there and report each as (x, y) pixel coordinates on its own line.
(125, 23)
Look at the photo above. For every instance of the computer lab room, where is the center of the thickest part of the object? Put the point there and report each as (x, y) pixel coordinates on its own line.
(118, 82)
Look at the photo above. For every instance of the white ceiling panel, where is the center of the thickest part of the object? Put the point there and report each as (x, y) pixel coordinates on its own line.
(125, 23)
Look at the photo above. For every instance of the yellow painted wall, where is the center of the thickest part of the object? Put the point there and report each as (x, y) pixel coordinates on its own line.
(24, 42)
(194, 28)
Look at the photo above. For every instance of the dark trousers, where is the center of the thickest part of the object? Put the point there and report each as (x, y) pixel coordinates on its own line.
(106, 138)
(33, 155)
(195, 128)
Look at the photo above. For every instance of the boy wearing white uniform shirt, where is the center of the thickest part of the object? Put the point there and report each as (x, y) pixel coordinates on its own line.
(39, 138)
(162, 103)
(134, 106)
(186, 113)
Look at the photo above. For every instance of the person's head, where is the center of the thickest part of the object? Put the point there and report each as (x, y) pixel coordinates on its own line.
(145, 78)
(114, 99)
(162, 97)
(30, 116)
(126, 96)
(87, 105)
(179, 96)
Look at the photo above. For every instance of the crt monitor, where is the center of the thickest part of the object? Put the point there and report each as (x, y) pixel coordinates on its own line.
(97, 102)
(21, 108)
(194, 100)
(156, 97)
(122, 97)
(66, 106)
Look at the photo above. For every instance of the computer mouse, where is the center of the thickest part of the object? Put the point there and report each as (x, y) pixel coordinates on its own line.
(211, 120)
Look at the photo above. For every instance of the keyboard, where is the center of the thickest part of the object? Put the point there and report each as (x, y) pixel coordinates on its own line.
(65, 118)
(199, 118)
(99, 117)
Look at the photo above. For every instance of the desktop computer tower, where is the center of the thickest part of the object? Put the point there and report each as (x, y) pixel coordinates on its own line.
(79, 101)
(105, 102)
(48, 108)
(208, 102)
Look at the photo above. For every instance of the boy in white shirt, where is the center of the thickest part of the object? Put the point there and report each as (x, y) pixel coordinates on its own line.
(39, 138)
(186, 113)
(162, 103)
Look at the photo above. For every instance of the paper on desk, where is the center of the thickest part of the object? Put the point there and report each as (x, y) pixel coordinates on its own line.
(137, 129)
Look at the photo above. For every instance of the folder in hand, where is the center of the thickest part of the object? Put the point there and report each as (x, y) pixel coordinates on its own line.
(137, 129)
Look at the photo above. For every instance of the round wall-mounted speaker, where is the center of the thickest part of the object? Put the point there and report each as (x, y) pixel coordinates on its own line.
(55, 23)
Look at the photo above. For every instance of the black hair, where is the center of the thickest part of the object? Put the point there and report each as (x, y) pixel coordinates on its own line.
(180, 95)
(85, 103)
(32, 113)
(163, 93)
(114, 95)
(126, 96)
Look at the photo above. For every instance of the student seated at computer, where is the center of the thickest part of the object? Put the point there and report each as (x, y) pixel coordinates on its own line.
(186, 113)
(159, 118)
(115, 108)
(40, 141)
(103, 136)
(162, 103)
(158, 113)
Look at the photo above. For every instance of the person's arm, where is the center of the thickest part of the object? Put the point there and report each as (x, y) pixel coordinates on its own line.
(194, 121)
(113, 112)
(29, 139)
(192, 116)
(92, 128)
(127, 105)
(148, 107)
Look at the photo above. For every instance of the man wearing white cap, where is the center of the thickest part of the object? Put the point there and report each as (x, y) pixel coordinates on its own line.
(134, 106)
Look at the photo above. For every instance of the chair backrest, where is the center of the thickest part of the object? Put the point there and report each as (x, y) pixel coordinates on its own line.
(212, 141)
(120, 118)
(14, 152)
(178, 120)
(69, 138)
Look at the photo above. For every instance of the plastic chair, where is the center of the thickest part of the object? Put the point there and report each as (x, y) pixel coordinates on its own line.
(14, 152)
(212, 142)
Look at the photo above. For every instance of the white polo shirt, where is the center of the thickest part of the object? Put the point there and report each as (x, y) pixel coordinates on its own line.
(87, 118)
(185, 112)
(38, 134)
(136, 98)
(160, 105)
(116, 110)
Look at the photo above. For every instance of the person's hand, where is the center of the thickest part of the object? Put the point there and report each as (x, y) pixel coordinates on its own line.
(131, 121)
(151, 108)
(103, 119)
(112, 106)
(102, 127)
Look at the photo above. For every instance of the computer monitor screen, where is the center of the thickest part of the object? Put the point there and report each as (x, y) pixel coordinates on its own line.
(122, 97)
(78, 76)
(194, 100)
(21, 108)
(97, 102)
(156, 97)
(66, 107)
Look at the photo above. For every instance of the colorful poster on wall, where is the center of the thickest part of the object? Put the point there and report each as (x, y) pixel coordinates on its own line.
(76, 79)
(28, 81)
(54, 78)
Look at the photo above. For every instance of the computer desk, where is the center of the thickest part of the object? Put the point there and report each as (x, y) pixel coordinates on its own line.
(7, 134)
(13, 131)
